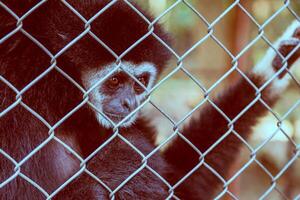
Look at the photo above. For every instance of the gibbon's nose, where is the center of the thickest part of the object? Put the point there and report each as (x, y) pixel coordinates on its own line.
(129, 104)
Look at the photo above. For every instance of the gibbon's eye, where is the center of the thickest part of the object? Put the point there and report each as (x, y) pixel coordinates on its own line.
(114, 82)
(137, 87)
(143, 81)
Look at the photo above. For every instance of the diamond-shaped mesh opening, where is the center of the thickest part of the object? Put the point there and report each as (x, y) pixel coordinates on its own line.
(71, 26)
(292, 176)
(51, 101)
(52, 152)
(245, 25)
(171, 88)
(180, 20)
(284, 150)
(121, 169)
(259, 183)
(210, 176)
(26, 136)
(29, 69)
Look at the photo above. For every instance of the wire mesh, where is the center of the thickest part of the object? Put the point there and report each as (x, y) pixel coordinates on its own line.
(206, 92)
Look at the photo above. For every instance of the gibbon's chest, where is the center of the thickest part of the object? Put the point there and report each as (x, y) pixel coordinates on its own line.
(118, 165)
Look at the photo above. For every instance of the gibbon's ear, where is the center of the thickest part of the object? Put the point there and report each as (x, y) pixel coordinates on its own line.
(290, 50)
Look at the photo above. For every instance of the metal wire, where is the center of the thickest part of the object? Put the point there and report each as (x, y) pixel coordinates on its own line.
(176, 124)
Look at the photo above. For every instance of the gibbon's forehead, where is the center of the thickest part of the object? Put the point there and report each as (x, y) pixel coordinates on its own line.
(99, 76)
(119, 27)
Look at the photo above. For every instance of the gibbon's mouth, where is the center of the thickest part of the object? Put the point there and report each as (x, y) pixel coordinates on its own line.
(116, 118)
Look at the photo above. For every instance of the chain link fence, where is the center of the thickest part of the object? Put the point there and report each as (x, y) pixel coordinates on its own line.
(180, 67)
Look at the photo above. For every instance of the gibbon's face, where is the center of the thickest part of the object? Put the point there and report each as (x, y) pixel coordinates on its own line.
(119, 95)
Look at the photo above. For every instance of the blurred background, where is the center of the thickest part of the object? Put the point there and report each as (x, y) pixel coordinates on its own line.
(208, 62)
